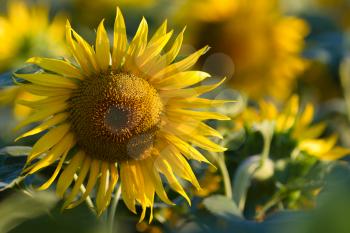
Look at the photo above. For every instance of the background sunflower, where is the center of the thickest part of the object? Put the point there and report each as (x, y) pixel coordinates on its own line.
(286, 164)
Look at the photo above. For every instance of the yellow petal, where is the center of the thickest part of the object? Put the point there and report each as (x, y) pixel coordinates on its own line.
(50, 139)
(318, 146)
(152, 50)
(189, 92)
(334, 154)
(169, 56)
(196, 103)
(111, 185)
(57, 66)
(154, 178)
(196, 139)
(139, 42)
(102, 47)
(197, 115)
(79, 57)
(46, 91)
(48, 183)
(127, 185)
(185, 148)
(49, 80)
(161, 31)
(87, 51)
(40, 115)
(287, 118)
(307, 116)
(67, 176)
(311, 132)
(165, 168)
(195, 127)
(120, 40)
(93, 176)
(62, 147)
(102, 188)
(81, 177)
(179, 165)
(46, 125)
(44, 103)
(180, 80)
(182, 65)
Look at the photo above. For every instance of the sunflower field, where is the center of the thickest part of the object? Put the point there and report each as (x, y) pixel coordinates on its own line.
(167, 116)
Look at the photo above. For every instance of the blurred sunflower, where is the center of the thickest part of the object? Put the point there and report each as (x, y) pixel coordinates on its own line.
(27, 32)
(129, 108)
(265, 49)
(206, 10)
(297, 124)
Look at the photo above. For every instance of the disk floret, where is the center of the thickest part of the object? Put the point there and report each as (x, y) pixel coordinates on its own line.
(116, 116)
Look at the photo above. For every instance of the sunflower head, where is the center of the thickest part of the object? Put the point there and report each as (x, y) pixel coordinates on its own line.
(126, 111)
(265, 49)
(116, 116)
(294, 129)
(290, 152)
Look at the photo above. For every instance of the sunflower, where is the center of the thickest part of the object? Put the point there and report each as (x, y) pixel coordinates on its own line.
(265, 49)
(26, 32)
(297, 124)
(129, 113)
(206, 10)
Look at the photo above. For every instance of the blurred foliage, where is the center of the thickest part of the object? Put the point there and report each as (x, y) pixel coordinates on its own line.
(269, 50)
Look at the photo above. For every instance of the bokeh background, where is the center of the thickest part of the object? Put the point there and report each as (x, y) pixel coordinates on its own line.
(284, 61)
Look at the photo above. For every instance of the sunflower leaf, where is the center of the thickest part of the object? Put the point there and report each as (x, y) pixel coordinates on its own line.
(220, 205)
(22, 206)
(10, 170)
(6, 79)
(15, 150)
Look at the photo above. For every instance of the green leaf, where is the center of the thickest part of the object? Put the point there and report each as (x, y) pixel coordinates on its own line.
(220, 205)
(15, 150)
(6, 80)
(22, 206)
(77, 220)
(10, 170)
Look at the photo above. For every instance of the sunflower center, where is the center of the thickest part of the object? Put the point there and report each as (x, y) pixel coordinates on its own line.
(115, 117)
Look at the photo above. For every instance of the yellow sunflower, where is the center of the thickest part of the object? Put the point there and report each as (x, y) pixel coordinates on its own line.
(297, 122)
(206, 10)
(26, 32)
(265, 45)
(128, 113)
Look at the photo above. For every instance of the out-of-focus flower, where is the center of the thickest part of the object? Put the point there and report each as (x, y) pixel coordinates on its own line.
(297, 123)
(206, 10)
(210, 182)
(12, 96)
(26, 32)
(132, 107)
(265, 45)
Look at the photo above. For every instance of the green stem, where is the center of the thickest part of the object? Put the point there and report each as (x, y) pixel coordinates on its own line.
(225, 175)
(113, 209)
(272, 202)
(88, 200)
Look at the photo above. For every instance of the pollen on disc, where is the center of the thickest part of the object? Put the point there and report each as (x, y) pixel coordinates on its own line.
(115, 117)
